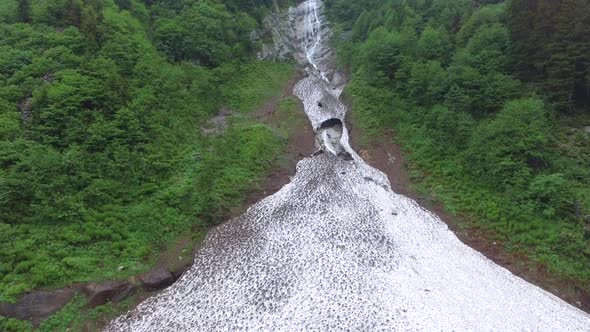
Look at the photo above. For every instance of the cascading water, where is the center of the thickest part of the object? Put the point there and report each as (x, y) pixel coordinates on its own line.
(312, 31)
(336, 249)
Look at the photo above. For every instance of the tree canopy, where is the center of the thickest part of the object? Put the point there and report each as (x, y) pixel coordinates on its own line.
(102, 157)
(490, 100)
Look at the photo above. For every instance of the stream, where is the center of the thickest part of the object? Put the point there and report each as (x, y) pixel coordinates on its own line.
(337, 250)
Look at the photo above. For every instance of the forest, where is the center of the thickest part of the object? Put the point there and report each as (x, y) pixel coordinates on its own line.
(491, 102)
(103, 162)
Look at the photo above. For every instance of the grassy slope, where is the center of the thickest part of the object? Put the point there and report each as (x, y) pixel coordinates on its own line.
(285, 122)
(241, 157)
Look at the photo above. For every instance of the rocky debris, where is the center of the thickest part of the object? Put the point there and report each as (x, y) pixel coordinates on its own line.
(38, 305)
(218, 124)
(338, 79)
(587, 129)
(49, 78)
(110, 291)
(317, 152)
(26, 106)
(158, 278)
(345, 155)
(256, 35)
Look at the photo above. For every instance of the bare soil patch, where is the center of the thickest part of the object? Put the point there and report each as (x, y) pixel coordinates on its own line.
(301, 144)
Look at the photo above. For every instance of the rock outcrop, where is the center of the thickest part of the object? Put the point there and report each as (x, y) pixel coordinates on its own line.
(284, 38)
(110, 291)
(37, 306)
(157, 278)
(40, 305)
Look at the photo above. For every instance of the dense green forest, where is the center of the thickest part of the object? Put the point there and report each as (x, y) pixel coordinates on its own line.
(490, 100)
(103, 161)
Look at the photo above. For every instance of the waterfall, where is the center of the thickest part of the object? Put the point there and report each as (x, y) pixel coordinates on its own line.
(313, 33)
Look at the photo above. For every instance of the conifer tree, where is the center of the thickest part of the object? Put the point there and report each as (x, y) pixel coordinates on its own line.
(550, 47)
(24, 11)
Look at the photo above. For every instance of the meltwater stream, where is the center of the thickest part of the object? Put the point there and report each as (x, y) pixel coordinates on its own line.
(337, 250)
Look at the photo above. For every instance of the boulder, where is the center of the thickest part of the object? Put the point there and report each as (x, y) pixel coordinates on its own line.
(178, 270)
(38, 305)
(159, 277)
(101, 293)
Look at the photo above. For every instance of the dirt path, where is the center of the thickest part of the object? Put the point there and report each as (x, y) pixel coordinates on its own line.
(301, 144)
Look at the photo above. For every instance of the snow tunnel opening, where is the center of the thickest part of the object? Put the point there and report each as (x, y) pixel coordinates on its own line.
(328, 136)
(331, 123)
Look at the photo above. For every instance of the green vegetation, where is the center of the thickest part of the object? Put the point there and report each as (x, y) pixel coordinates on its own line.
(15, 325)
(492, 131)
(75, 316)
(103, 160)
(551, 49)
